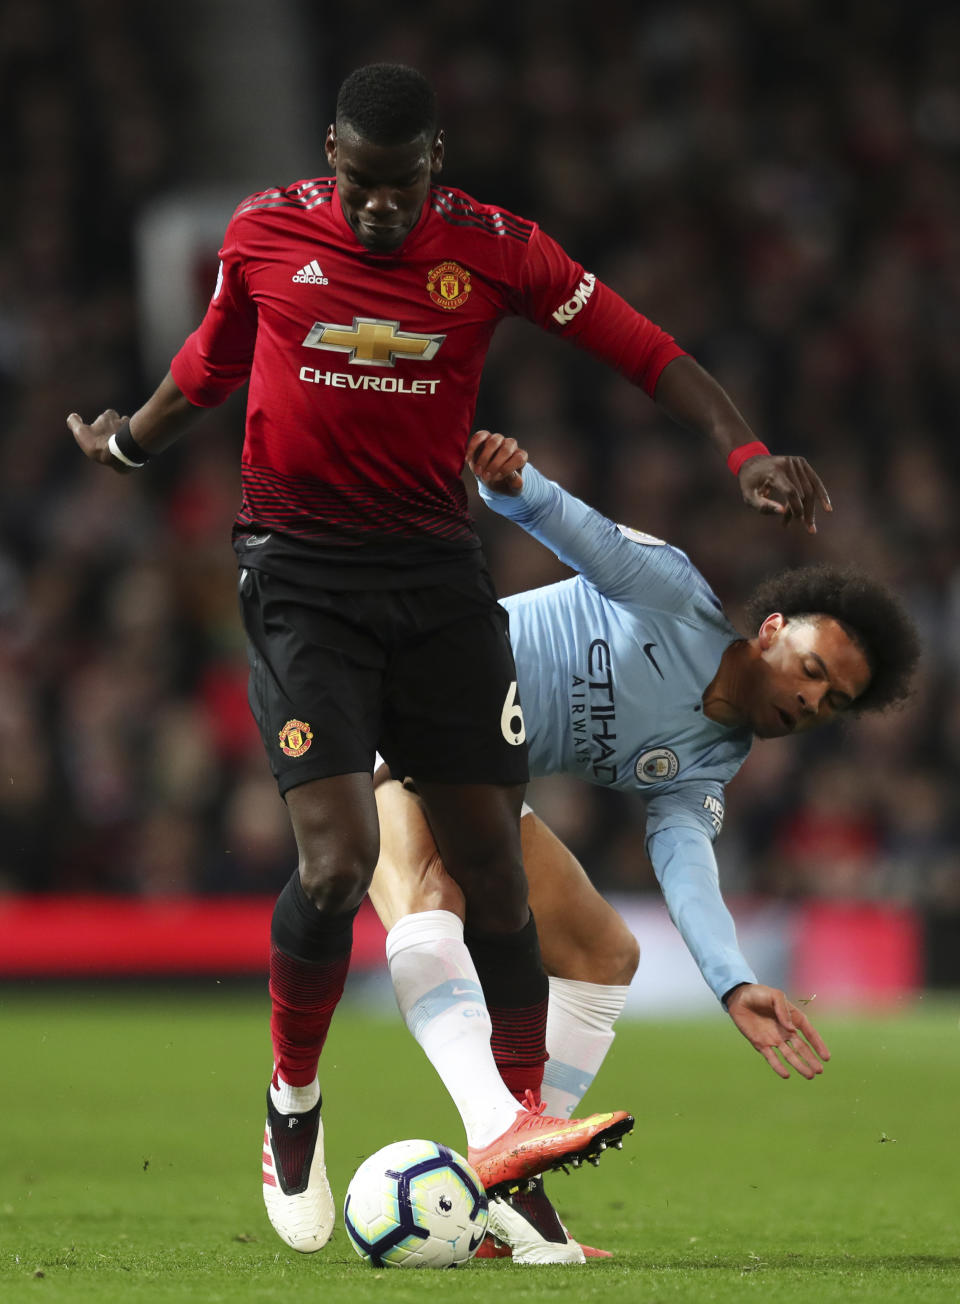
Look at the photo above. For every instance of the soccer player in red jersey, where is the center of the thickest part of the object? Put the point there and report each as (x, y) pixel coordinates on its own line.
(359, 307)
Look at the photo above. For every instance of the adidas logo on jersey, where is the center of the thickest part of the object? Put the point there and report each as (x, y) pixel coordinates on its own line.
(312, 274)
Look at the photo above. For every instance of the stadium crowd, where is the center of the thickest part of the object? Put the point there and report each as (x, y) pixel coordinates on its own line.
(788, 207)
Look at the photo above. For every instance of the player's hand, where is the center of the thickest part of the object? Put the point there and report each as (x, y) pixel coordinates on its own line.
(93, 439)
(784, 486)
(777, 1029)
(498, 461)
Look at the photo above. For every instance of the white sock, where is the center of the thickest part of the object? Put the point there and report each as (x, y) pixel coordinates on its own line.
(580, 1019)
(441, 1000)
(294, 1100)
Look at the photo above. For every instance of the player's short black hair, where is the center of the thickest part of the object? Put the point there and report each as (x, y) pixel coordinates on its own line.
(387, 104)
(868, 611)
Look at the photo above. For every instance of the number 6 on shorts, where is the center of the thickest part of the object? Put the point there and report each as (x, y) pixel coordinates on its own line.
(511, 718)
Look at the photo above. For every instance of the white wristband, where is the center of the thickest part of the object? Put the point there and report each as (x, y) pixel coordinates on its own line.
(113, 447)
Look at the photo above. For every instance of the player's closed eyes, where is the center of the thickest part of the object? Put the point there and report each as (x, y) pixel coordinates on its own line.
(835, 701)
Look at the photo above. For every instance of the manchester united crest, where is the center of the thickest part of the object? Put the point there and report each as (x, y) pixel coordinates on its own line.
(295, 738)
(449, 285)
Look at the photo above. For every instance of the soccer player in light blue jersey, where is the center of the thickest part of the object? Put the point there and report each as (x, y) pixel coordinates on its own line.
(631, 677)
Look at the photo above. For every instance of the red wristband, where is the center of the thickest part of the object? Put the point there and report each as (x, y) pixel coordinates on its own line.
(737, 456)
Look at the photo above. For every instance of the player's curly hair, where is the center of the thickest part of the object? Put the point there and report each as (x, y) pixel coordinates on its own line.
(867, 610)
(387, 104)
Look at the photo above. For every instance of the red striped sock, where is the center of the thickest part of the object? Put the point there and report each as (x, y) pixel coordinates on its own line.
(304, 997)
(519, 1045)
(517, 993)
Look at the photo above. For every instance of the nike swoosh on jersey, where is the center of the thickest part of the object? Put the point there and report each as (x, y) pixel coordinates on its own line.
(651, 658)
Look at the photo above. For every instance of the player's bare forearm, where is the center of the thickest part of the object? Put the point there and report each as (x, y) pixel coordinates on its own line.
(777, 1029)
(778, 484)
(154, 426)
(691, 397)
(164, 417)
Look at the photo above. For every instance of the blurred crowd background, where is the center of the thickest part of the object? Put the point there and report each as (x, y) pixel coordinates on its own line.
(776, 182)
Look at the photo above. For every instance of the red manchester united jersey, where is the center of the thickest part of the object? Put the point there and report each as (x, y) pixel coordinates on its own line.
(364, 367)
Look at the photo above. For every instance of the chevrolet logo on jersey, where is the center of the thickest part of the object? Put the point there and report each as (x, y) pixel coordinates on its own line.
(374, 343)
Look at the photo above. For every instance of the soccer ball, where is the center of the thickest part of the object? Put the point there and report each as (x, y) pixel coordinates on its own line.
(415, 1204)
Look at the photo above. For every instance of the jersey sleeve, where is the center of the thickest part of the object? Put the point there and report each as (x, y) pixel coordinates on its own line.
(623, 564)
(686, 869)
(557, 293)
(215, 360)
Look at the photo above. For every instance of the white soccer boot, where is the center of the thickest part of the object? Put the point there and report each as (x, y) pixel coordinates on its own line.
(528, 1223)
(295, 1187)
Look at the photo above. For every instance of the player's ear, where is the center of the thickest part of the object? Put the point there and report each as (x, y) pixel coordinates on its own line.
(330, 146)
(436, 154)
(769, 631)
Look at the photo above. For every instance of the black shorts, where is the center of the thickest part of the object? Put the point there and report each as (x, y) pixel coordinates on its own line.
(424, 676)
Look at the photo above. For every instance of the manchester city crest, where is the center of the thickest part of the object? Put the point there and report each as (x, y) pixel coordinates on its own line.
(657, 765)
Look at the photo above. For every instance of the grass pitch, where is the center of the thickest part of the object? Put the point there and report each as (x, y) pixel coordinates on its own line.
(131, 1160)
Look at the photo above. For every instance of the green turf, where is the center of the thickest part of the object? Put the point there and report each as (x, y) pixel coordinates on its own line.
(131, 1156)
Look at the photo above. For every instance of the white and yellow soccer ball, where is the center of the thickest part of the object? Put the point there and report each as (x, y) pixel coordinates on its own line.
(415, 1204)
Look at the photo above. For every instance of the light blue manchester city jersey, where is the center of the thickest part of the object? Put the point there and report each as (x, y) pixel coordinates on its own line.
(612, 665)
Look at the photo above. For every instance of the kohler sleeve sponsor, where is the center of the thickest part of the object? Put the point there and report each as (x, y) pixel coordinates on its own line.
(567, 311)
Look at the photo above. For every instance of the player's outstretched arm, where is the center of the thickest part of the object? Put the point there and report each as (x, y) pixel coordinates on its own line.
(776, 1028)
(153, 427)
(781, 485)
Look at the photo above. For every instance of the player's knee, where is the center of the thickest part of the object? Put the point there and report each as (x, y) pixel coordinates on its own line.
(616, 958)
(335, 885)
(487, 913)
(624, 959)
(610, 958)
